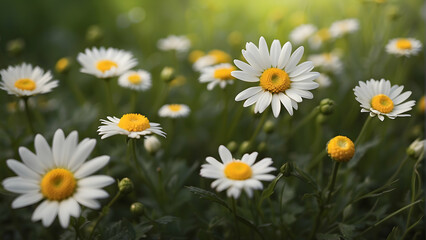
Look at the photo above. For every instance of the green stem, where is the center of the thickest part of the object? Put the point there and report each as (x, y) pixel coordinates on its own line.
(332, 181)
(259, 126)
(234, 211)
(108, 94)
(363, 130)
(28, 114)
(313, 114)
(133, 99)
(235, 122)
(104, 212)
(141, 171)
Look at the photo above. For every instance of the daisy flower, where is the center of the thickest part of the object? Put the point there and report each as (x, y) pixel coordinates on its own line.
(302, 33)
(174, 110)
(281, 80)
(106, 63)
(139, 80)
(212, 58)
(173, 42)
(381, 99)
(58, 176)
(321, 36)
(404, 46)
(342, 27)
(217, 75)
(237, 175)
(24, 80)
(323, 80)
(327, 61)
(134, 125)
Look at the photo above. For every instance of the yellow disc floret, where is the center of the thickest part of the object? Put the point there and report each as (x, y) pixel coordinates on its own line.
(134, 122)
(341, 149)
(25, 84)
(134, 78)
(220, 56)
(105, 65)
(403, 44)
(382, 103)
(58, 184)
(238, 170)
(224, 73)
(175, 107)
(275, 80)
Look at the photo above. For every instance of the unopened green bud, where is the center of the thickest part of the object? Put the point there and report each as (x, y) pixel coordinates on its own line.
(326, 106)
(245, 147)
(416, 148)
(232, 146)
(286, 169)
(125, 186)
(16, 46)
(94, 33)
(268, 127)
(137, 209)
(262, 147)
(167, 74)
(321, 118)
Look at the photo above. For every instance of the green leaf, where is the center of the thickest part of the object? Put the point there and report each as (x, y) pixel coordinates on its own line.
(347, 230)
(121, 230)
(269, 190)
(299, 173)
(208, 195)
(142, 229)
(321, 236)
(394, 235)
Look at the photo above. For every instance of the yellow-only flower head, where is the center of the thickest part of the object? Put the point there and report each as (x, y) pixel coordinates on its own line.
(341, 149)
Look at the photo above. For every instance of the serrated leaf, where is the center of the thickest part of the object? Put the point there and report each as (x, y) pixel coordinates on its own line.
(208, 196)
(321, 236)
(348, 231)
(269, 190)
(166, 219)
(121, 230)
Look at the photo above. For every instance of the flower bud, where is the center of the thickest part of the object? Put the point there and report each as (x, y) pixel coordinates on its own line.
(416, 148)
(167, 74)
(341, 149)
(286, 169)
(137, 209)
(262, 147)
(268, 127)
(326, 106)
(232, 146)
(421, 105)
(151, 144)
(63, 65)
(245, 147)
(15, 46)
(125, 186)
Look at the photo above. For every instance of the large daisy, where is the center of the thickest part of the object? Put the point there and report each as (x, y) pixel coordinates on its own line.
(281, 80)
(139, 80)
(404, 46)
(237, 175)
(217, 75)
(58, 176)
(24, 80)
(134, 125)
(106, 63)
(381, 99)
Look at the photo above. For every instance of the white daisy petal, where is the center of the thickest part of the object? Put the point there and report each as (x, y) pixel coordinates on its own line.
(91, 166)
(249, 92)
(27, 199)
(225, 154)
(96, 181)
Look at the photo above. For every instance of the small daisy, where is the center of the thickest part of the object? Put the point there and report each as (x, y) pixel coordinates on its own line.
(404, 47)
(237, 175)
(343, 27)
(321, 36)
(302, 33)
(281, 80)
(323, 80)
(139, 80)
(212, 58)
(341, 149)
(106, 63)
(217, 75)
(174, 110)
(379, 98)
(133, 125)
(59, 176)
(24, 80)
(173, 42)
(327, 61)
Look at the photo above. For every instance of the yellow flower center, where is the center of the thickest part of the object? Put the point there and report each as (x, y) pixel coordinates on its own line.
(25, 84)
(224, 73)
(58, 184)
(195, 55)
(105, 65)
(220, 56)
(62, 64)
(135, 79)
(422, 103)
(382, 103)
(238, 171)
(404, 44)
(275, 80)
(175, 107)
(341, 149)
(134, 122)
(323, 34)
